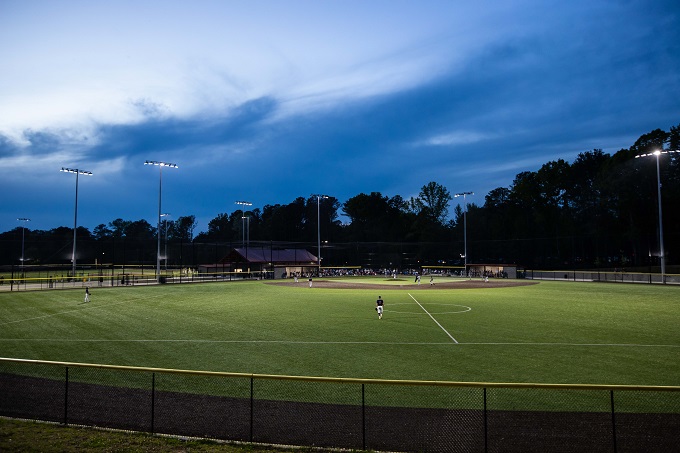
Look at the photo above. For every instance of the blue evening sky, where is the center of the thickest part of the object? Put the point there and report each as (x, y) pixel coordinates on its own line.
(268, 100)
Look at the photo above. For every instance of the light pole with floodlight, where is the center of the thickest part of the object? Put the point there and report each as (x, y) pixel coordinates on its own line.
(318, 228)
(464, 194)
(23, 232)
(662, 255)
(243, 222)
(160, 191)
(75, 215)
(246, 218)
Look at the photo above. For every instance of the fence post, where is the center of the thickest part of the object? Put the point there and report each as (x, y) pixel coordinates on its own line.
(153, 400)
(251, 408)
(66, 398)
(486, 433)
(611, 396)
(363, 416)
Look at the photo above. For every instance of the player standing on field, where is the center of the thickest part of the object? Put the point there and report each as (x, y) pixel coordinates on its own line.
(379, 306)
(87, 294)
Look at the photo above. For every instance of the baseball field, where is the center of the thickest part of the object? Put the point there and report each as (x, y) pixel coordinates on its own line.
(453, 330)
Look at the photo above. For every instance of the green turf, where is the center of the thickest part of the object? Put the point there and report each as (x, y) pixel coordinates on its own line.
(27, 436)
(553, 332)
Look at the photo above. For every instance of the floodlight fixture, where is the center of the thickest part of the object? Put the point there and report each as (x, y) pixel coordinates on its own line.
(160, 166)
(662, 255)
(77, 172)
(464, 194)
(657, 153)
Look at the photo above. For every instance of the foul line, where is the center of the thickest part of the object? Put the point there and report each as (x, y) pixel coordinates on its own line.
(302, 342)
(432, 317)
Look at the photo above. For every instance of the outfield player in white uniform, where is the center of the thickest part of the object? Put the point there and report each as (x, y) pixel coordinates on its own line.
(379, 306)
(87, 294)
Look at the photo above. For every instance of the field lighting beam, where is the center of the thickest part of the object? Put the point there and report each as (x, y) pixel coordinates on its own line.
(318, 228)
(23, 231)
(75, 215)
(243, 222)
(464, 194)
(657, 153)
(160, 192)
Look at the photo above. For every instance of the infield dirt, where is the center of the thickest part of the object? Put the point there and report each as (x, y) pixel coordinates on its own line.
(407, 284)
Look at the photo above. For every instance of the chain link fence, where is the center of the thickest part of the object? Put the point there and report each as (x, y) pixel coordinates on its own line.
(345, 413)
(119, 277)
(57, 277)
(602, 276)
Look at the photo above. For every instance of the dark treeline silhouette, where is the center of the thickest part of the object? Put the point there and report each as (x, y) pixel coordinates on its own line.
(600, 211)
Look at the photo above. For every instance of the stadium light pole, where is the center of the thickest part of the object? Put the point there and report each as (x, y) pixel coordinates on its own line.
(657, 153)
(243, 222)
(247, 220)
(318, 228)
(464, 194)
(23, 232)
(75, 215)
(160, 191)
(166, 239)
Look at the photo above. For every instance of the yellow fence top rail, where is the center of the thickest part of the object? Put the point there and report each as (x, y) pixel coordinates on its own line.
(524, 385)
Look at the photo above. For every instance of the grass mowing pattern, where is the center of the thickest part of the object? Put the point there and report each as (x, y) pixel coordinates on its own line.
(554, 332)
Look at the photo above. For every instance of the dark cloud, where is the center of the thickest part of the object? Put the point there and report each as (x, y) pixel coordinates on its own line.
(511, 106)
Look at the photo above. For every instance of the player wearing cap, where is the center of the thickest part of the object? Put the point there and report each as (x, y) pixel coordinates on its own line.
(379, 306)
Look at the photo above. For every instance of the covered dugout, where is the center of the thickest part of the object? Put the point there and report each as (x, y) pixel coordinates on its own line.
(276, 263)
(493, 270)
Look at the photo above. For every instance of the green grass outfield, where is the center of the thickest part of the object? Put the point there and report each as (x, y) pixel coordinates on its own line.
(552, 332)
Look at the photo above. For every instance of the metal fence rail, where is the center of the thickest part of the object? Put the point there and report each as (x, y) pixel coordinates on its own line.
(116, 278)
(93, 280)
(602, 276)
(345, 413)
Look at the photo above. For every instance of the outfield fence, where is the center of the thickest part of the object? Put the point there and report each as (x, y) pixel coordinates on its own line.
(603, 276)
(84, 279)
(135, 276)
(363, 414)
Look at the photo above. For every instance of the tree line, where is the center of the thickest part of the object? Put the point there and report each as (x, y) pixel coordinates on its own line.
(599, 210)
